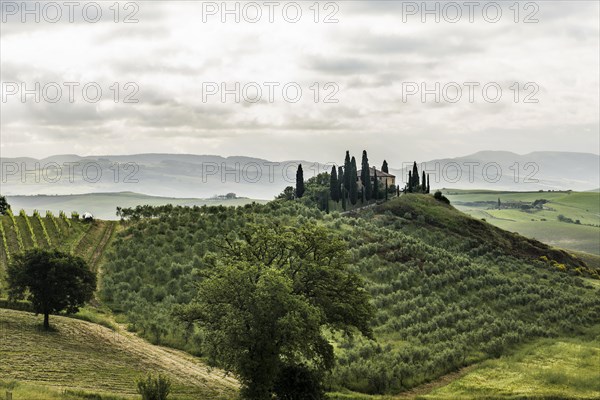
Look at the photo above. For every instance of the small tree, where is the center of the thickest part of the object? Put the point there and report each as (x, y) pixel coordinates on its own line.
(353, 182)
(365, 177)
(440, 197)
(287, 194)
(375, 185)
(152, 388)
(4, 206)
(334, 185)
(384, 167)
(299, 182)
(51, 280)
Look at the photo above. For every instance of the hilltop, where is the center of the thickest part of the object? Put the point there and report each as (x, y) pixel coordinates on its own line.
(569, 220)
(427, 213)
(449, 290)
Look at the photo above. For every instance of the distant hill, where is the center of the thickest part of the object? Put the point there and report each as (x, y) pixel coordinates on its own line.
(203, 176)
(502, 170)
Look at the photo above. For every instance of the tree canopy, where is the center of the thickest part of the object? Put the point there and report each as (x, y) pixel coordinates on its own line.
(52, 281)
(266, 300)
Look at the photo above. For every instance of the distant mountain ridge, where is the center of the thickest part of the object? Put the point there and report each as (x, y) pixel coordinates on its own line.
(202, 176)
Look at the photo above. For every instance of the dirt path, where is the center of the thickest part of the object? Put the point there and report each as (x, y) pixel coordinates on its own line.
(99, 251)
(439, 382)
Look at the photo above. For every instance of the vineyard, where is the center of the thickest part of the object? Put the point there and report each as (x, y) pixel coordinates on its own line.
(87, 239)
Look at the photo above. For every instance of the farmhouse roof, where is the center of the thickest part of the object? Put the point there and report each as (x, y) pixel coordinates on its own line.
(380, 174)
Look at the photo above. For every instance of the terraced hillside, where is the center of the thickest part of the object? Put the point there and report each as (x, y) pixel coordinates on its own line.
(21, 231)
(79, 356)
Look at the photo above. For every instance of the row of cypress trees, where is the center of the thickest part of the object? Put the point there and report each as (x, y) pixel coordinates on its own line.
(416, 185)
(343, 183)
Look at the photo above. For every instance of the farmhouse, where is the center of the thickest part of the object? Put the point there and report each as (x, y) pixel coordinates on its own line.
(382, 178)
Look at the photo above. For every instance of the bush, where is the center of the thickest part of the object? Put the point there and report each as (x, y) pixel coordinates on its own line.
(154, 388)
(440, 197)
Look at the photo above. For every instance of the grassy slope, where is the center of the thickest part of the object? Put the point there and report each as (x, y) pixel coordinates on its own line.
(448, 220)
(563, 368)
(79, 355)
(548, 368)
(584, 206)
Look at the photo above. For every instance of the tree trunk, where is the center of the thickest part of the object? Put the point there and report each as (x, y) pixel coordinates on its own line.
(46, 321)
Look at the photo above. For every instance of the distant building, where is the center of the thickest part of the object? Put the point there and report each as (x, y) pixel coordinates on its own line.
(382, 178)
(87, 216)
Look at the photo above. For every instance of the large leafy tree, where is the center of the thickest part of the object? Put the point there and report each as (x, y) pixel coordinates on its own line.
(266, 301)
(52, 281)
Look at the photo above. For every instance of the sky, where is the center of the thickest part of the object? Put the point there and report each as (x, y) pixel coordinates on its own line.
(299, 80)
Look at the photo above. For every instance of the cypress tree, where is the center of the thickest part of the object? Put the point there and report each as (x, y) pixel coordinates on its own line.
(353, 182)
(341, 182)
(415, 176)
(344, 197)
(410, 182)
(386, 189)
(384, 167)
(375, 185)
(365, 176)
(423, 183)
(428, 187)
(334, 186)
(347, 171)
(299, 182)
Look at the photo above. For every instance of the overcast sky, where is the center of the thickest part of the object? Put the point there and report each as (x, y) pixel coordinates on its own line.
(368, 61)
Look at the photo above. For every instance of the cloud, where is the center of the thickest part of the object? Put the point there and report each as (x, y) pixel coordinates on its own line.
(369, 54)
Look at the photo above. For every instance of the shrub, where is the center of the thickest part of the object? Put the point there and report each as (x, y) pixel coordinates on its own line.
(440, 197)
(154, 388)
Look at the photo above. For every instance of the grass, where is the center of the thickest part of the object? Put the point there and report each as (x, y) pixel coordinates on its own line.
(564, 368)
(83, 357)
(27, 391)
(543, 224)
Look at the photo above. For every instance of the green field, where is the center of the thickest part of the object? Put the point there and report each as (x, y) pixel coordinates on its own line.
(103, 205)
(83, 357)
(563, 368)
(544, 224)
